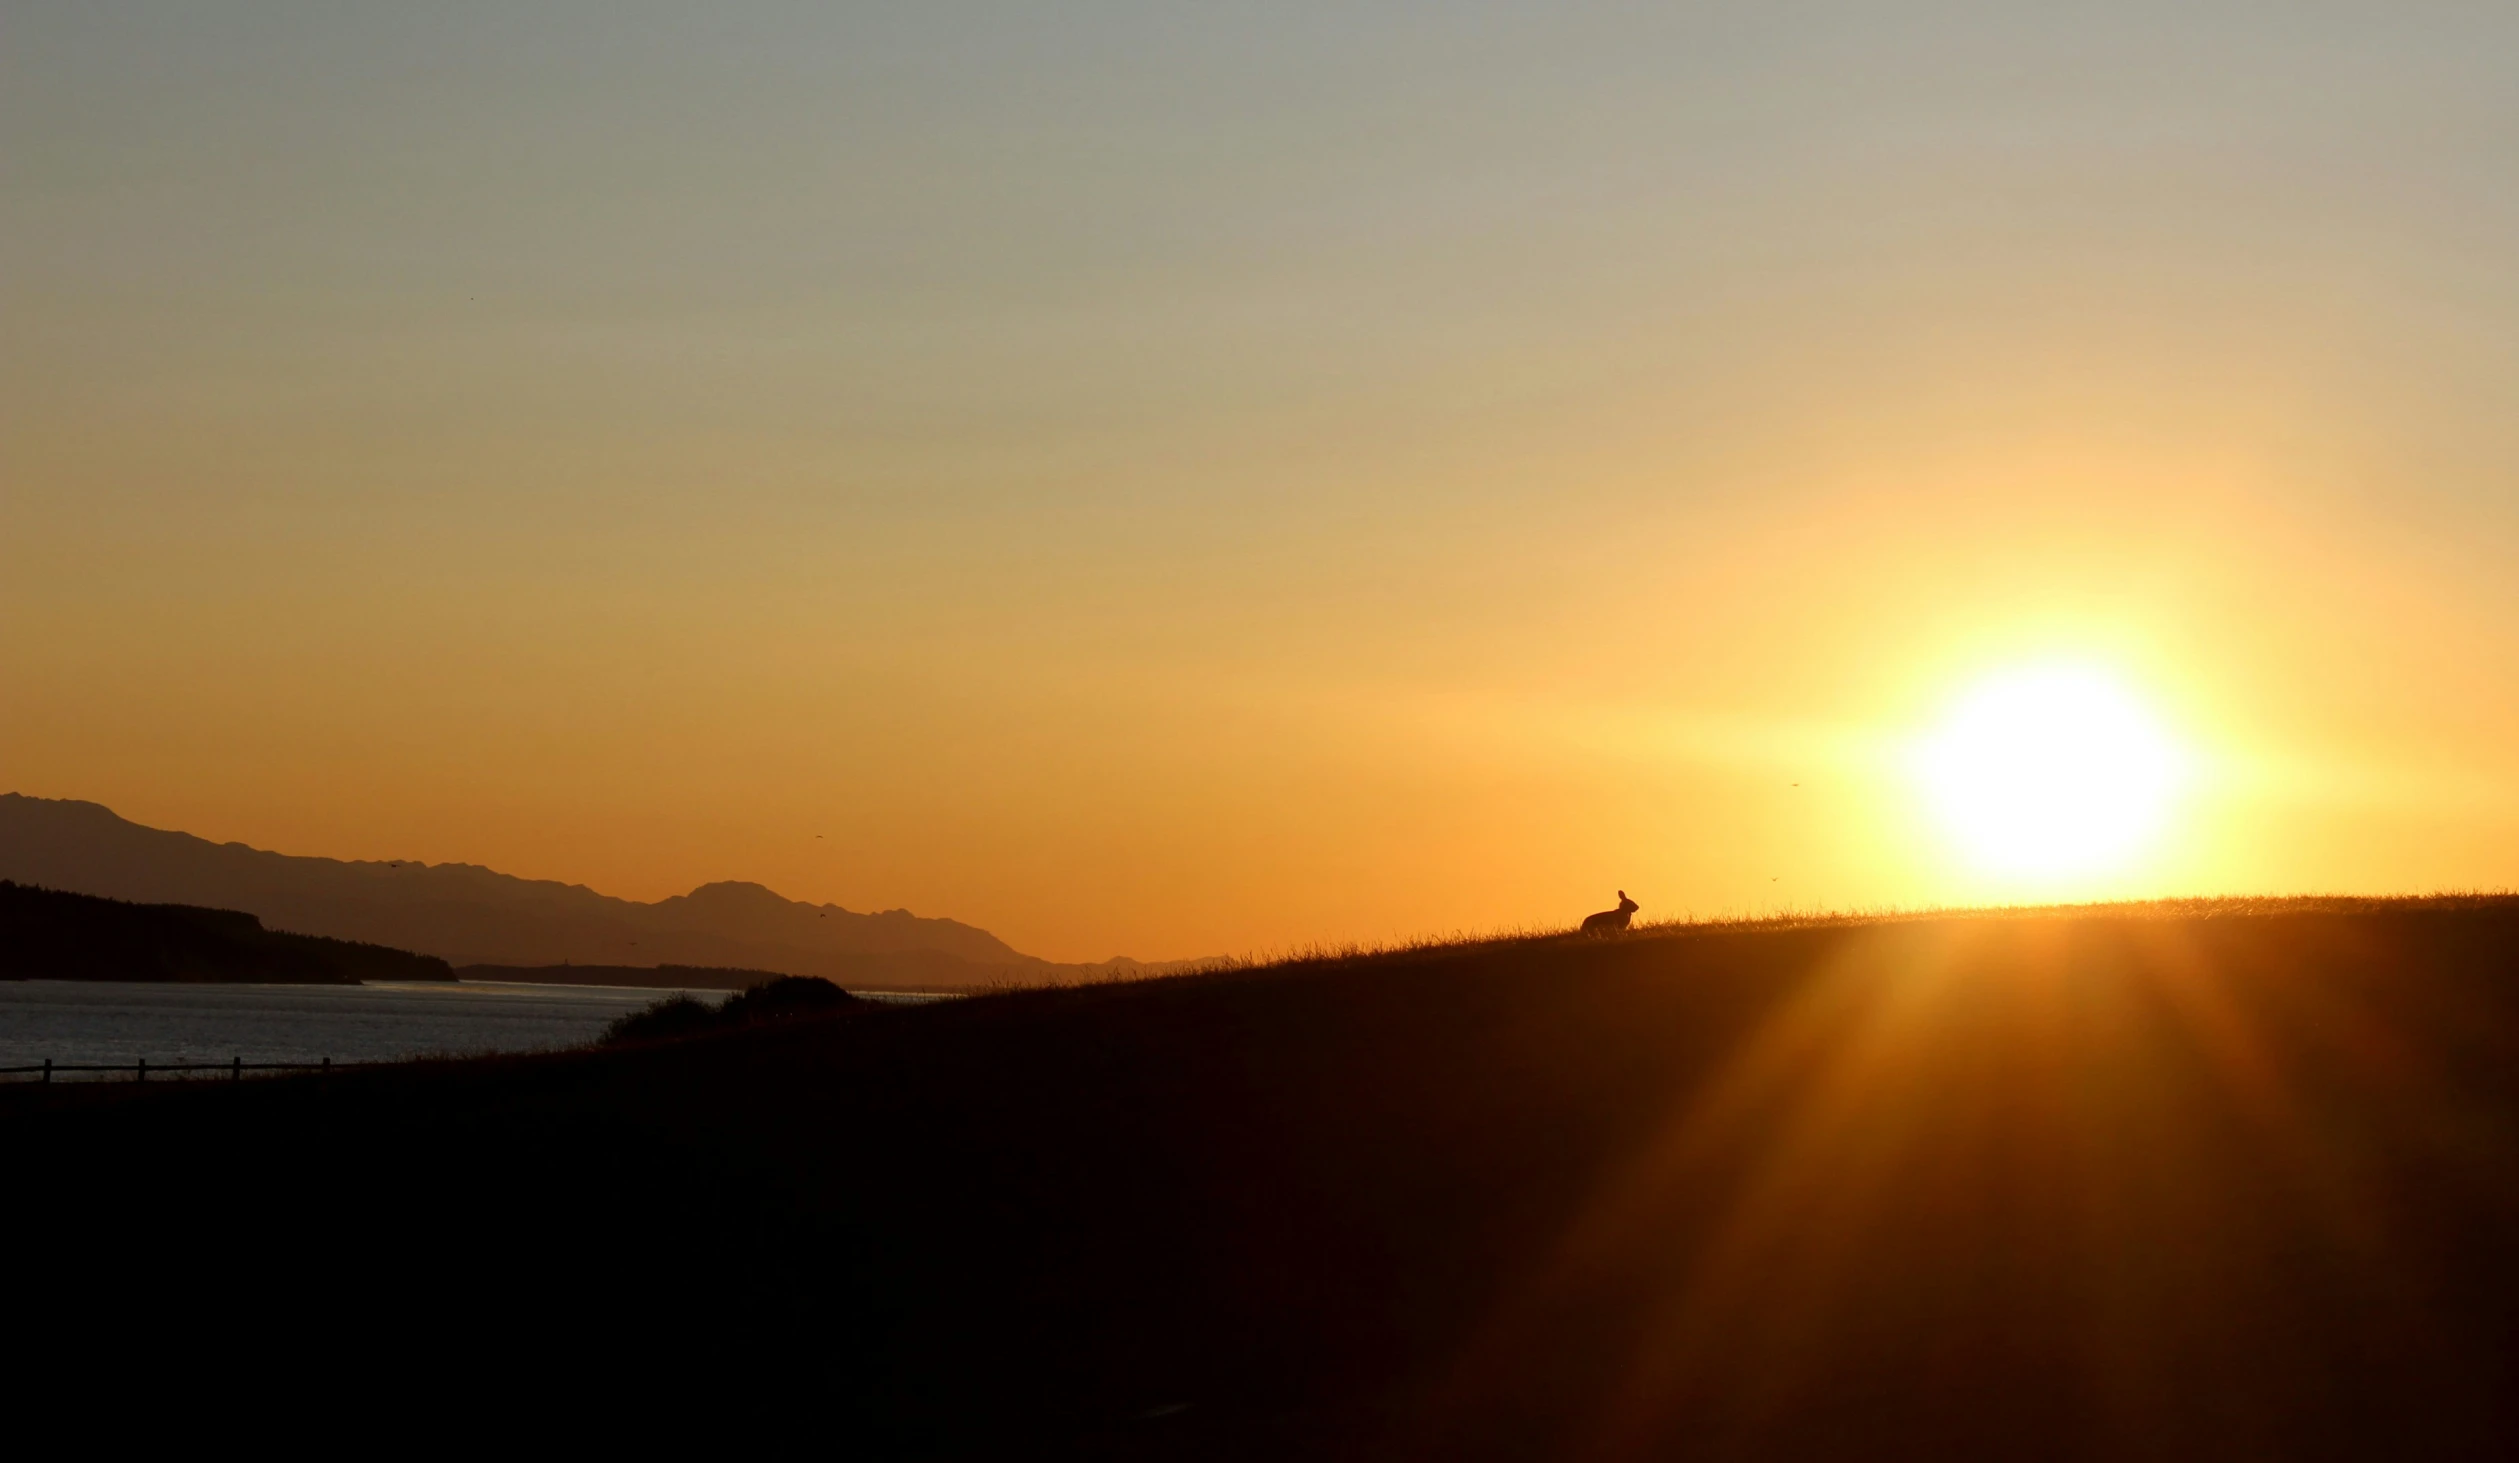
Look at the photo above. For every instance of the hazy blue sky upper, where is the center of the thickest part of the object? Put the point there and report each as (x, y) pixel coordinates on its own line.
(1194, 477)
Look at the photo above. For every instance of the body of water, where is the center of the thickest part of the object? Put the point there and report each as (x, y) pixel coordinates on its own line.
(102, 1021)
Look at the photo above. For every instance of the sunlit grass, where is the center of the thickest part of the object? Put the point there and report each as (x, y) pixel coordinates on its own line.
(1334, 953)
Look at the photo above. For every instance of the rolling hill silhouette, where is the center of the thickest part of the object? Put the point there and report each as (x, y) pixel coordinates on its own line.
(2214, 1182)
(49, 935)
(659, 977)
(468, 915)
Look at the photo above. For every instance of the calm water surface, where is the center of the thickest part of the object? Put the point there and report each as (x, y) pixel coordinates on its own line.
(99, 1021)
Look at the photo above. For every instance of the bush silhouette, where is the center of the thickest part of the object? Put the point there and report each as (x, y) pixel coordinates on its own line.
(776, 1000)
(785, 998)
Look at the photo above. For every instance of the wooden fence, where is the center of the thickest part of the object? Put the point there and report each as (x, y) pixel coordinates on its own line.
(235, 1069)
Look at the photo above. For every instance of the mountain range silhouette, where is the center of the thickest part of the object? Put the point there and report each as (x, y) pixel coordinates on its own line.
(469, 915)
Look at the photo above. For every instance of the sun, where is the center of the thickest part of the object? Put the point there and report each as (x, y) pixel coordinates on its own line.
(2051, 772)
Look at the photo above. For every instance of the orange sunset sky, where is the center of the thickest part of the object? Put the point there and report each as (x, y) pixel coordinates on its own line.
(1176, 480)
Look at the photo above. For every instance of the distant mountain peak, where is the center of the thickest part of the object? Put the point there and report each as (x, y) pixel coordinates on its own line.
(469, 914)
(735, 891)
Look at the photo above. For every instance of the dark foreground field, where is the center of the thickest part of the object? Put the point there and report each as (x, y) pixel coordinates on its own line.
(2231, 1185)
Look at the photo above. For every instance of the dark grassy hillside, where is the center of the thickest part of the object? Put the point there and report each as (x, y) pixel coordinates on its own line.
(2200, 1184)
(49, 935)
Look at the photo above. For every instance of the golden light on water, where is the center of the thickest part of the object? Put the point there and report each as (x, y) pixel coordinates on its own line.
(2050, 773)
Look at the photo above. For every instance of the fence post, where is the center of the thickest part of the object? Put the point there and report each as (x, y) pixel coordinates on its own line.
(48, 1071)
(327, 1066)
(236, 1069)
(144, 1071)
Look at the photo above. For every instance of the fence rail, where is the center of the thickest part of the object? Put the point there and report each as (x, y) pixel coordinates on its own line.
(235, 1068)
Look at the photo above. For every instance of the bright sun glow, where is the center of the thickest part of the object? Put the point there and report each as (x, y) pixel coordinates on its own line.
(2052, 772)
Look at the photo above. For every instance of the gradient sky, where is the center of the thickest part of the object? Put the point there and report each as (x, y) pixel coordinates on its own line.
(1179, 478)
